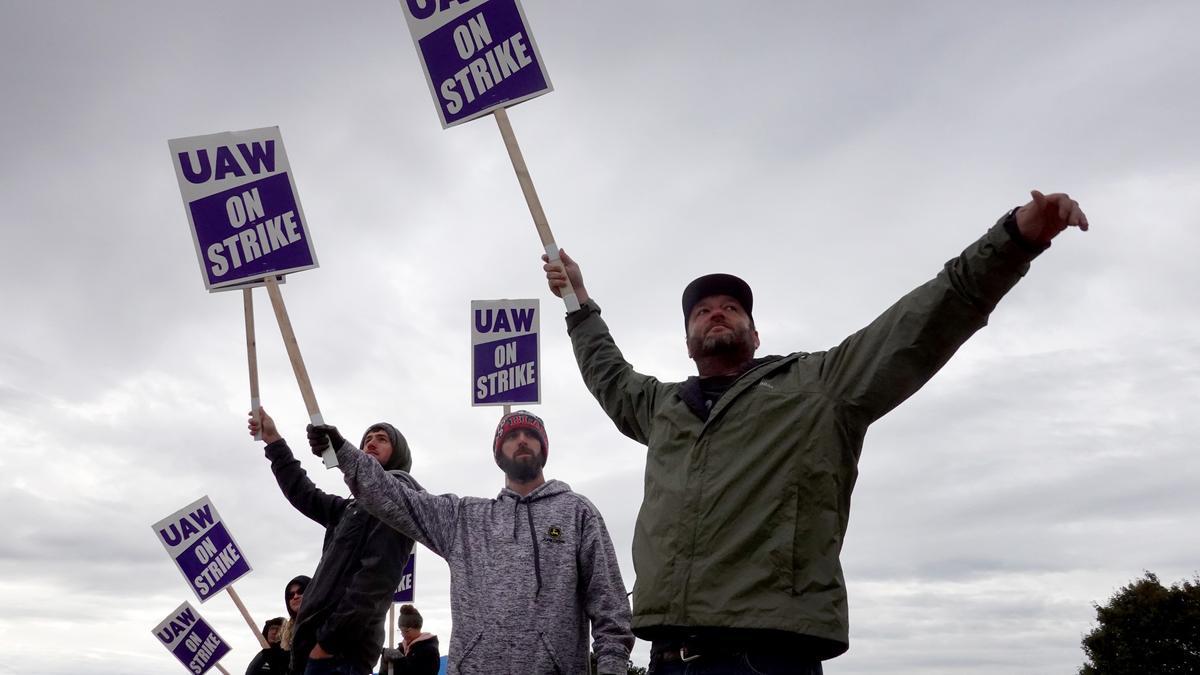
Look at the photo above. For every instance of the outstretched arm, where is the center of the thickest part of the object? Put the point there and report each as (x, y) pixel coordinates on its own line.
(878, 367)
(429, 519)
(293, 481)
(627, 397)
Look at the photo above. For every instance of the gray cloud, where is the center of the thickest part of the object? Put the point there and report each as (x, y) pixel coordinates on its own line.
(834, 156)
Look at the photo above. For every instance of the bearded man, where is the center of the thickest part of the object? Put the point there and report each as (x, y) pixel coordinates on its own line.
(530, 570)
(750, 464)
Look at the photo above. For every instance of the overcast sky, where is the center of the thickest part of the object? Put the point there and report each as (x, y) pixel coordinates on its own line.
(832, 154)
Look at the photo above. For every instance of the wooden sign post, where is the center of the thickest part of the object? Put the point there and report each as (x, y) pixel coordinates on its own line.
(293, 350)
(493, 38)
(391, 631)
(251, 357)
(237, 600)
(531, 198)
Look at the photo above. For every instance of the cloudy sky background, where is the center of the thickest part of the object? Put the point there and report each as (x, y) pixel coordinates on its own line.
(834, 156)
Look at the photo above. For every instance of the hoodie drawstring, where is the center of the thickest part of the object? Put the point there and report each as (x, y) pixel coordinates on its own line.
(537, 555)
(537, 565)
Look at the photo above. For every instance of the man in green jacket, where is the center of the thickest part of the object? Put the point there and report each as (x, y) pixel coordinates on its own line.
(750, 465)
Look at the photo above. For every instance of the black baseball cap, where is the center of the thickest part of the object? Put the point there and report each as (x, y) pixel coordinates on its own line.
(716, 284)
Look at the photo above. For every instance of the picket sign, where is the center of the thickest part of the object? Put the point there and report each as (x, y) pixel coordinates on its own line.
(242, 207)
(191, 640)
(480, 57)
(329, 457)
(505, 345)
(206, 553)
(245, 217)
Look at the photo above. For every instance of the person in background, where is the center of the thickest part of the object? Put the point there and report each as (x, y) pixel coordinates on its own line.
(418, 653)
(273, 660)
(293, 595)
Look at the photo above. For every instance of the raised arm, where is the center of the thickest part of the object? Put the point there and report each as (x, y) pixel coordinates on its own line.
(627, 396)
(429, 519)
(291, 477)
(881, 365)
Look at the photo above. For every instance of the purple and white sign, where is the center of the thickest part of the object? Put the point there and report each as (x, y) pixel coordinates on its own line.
(191, 639)
(242, 205)
(406, 591)
(202, 548)
(504, 352)
(478, 55)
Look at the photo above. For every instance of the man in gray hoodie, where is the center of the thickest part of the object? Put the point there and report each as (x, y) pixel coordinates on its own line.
(529, 569)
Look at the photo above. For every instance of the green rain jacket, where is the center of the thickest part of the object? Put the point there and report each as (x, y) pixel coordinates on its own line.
(745, 512)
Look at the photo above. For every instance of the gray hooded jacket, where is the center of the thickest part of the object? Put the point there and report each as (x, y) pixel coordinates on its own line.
(526, 573)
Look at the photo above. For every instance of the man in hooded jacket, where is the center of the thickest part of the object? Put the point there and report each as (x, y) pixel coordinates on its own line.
(293, 596)
(529, 570)
(274, 659)
(339, 627)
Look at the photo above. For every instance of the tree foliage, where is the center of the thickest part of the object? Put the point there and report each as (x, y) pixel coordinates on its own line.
(1146, 628)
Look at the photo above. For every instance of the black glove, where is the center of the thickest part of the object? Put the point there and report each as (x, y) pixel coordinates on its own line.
(322, 436)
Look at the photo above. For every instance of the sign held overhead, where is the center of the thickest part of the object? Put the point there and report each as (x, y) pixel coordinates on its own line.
(243, 207)
(406, 591)
(202, 548)
(478, 55)
(504, 352)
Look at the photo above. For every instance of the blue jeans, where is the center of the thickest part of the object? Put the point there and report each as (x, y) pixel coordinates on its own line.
(737, 663)
(331, 666)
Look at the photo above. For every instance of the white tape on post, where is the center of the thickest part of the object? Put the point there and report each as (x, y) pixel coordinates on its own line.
(329, 456)
(568, 298)
(255, 404)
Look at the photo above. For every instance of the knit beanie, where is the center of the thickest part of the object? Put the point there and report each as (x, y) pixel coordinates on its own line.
(410, 617)
(521, 419)
(401, 457)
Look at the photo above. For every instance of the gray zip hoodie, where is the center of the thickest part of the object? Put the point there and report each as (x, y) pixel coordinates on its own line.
(526, 573)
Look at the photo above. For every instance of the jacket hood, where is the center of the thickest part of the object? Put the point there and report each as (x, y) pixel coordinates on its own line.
(401, 458)
(422, 638)
(548, 489)
(302, 580)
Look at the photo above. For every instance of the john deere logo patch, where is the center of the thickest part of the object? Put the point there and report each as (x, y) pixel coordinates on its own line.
(554, 532)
